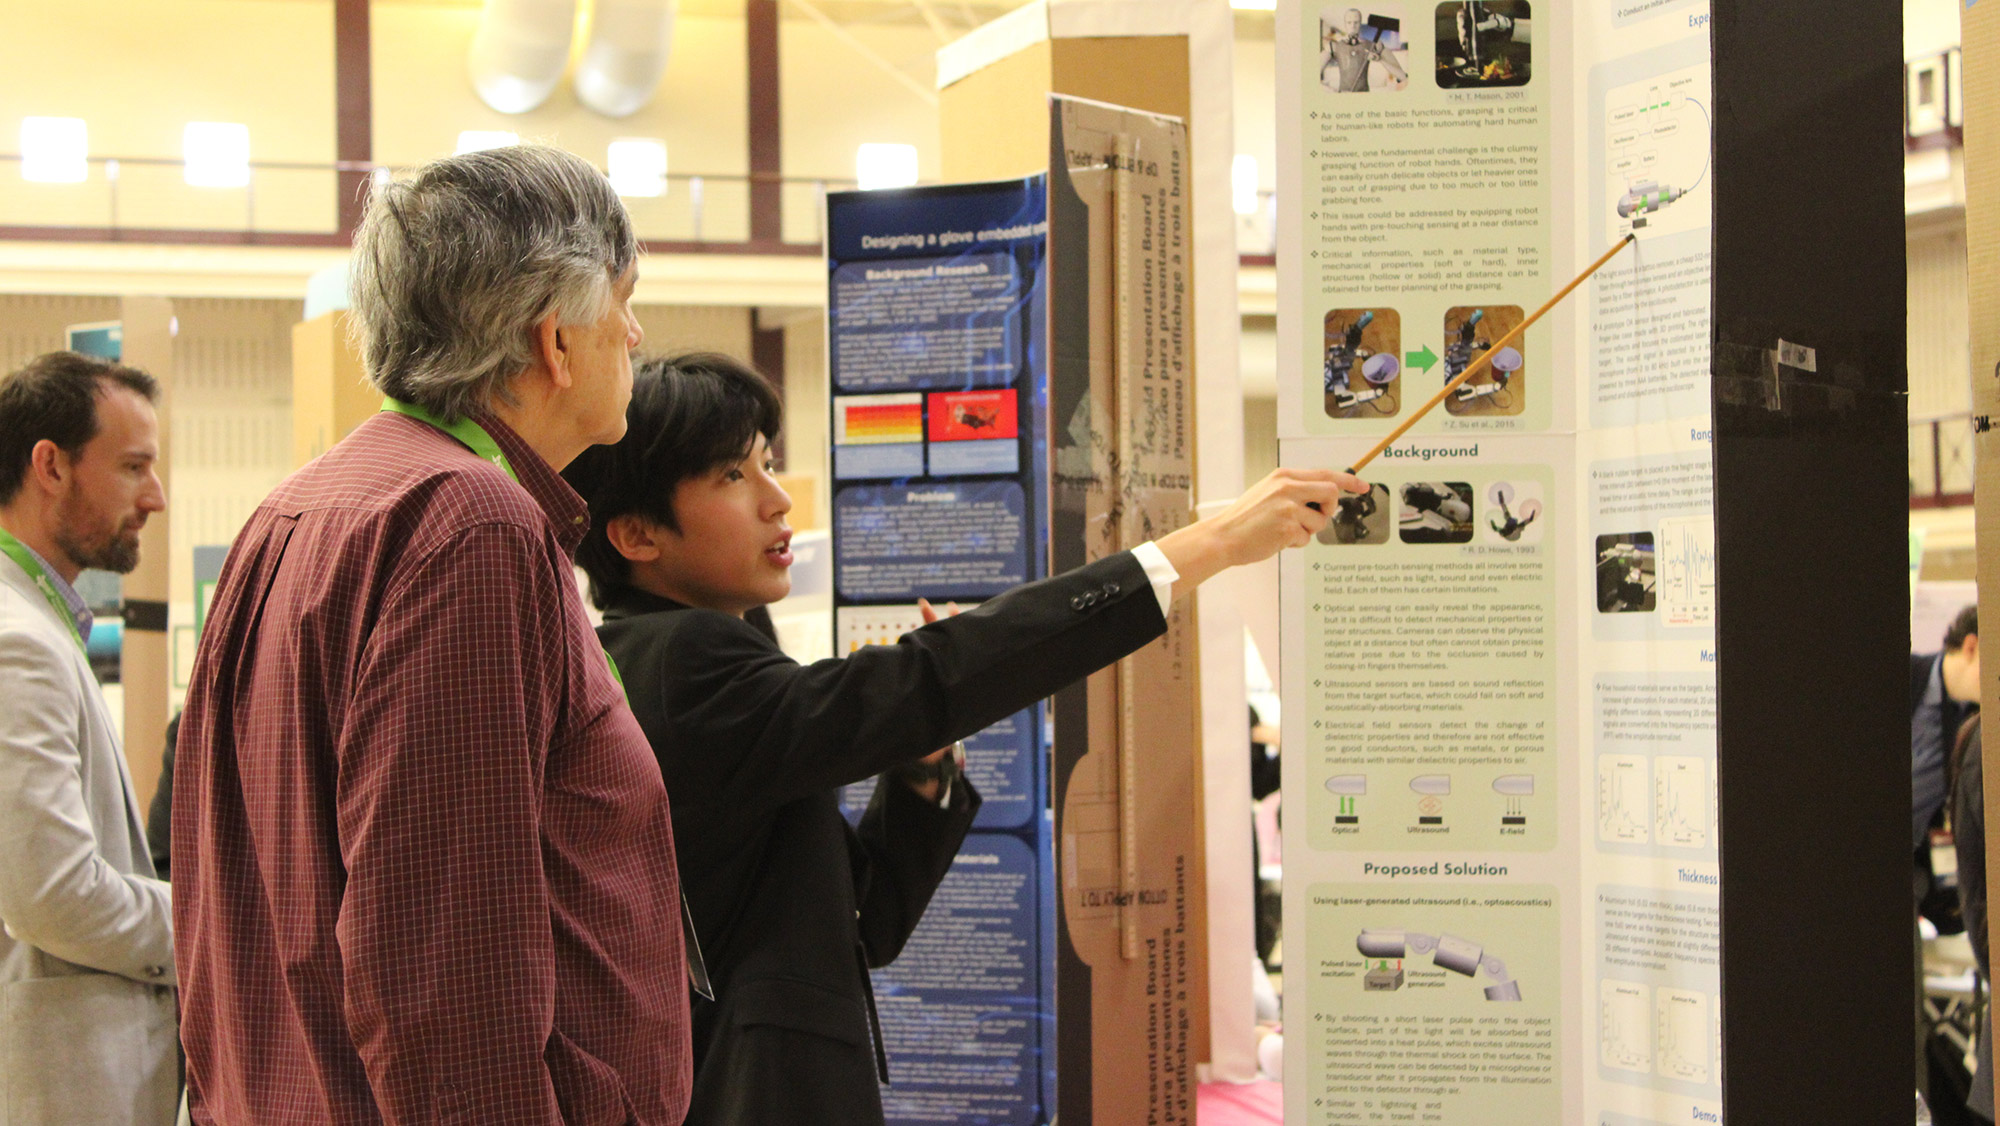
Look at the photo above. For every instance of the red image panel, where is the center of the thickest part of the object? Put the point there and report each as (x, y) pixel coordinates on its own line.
(963, 416)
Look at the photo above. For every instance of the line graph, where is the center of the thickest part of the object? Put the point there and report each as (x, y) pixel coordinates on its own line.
(1680, 801)
(1622, 800)
(1622, 1026)
(1687, 571)
(1683, 1036)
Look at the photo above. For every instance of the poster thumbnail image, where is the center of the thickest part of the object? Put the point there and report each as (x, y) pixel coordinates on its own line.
(1361, 49)
(1362, 518)
(1627, 574)
(1500, 387)
(1363, 371)
(1514, 512)
(1436, 512)
(1482, 43)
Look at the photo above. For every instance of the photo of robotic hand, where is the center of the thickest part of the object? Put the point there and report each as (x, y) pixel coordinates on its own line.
(1436, 512)
(1482, 43)
(1511, 516)
(1362, 518)
(1469, 332)
(1360, 374)
(1627, 575)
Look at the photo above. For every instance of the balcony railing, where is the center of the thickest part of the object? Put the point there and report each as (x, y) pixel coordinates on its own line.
(1942, 469)
(285, 203)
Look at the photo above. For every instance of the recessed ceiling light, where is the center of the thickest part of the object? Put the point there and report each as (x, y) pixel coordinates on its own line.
(885, 166)
(637, 166)
(55, 150)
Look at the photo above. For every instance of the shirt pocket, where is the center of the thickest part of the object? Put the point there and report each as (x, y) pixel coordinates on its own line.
(91, 1047)
(800, 1006)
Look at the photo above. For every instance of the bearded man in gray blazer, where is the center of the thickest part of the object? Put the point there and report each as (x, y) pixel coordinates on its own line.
(87, 1030)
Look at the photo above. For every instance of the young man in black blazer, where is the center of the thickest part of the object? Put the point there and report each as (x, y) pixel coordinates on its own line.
(688, 535)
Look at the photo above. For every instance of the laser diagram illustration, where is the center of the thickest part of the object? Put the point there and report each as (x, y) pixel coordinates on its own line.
(1387, 947)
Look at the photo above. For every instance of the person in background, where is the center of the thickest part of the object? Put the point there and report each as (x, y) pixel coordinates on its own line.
(688, 535)
(160, 814)
(423, 860)
(1944, 689)
(86, 937)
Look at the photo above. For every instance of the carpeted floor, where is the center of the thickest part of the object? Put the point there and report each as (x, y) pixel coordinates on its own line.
(1251, 1104)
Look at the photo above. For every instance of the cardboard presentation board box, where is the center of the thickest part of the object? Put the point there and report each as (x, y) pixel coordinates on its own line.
(1131, 956)
(1981, 34)
(330, 393)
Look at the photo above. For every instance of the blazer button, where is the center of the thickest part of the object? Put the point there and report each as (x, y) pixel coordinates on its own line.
(1110, 590)
(156, 971)
(1080, 602)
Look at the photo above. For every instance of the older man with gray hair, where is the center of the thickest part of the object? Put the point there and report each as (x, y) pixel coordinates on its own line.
(423, 865)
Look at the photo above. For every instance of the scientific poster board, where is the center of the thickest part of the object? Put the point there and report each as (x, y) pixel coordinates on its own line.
(936, 336)
(1012, 392)
(1501, 860)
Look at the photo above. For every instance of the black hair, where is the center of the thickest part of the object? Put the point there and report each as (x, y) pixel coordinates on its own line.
(54, 398)
(1964, 626)
(690, 415)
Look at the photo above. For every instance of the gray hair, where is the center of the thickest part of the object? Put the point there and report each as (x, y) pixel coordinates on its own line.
(455, 266)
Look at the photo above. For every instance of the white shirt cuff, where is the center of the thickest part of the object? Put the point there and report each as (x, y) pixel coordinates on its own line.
(1159, 572)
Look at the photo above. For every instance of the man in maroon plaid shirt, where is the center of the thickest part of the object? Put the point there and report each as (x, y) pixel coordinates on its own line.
(423, 865)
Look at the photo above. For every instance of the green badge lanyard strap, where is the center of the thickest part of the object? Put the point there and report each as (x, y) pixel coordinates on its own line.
(470, 434)
(17, 551)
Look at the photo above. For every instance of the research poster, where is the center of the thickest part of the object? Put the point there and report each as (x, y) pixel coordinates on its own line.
(1501, 882)
(936, 337)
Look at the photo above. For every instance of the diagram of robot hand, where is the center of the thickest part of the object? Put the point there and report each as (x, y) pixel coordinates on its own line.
(1654, 127)
(1460, 955)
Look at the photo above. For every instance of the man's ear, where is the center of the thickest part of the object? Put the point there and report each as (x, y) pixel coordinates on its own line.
(48, 466)
(552, 349)
(1970, 646)
(634, 537)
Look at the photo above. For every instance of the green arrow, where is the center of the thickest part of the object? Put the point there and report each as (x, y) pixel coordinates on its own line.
(1422, 361)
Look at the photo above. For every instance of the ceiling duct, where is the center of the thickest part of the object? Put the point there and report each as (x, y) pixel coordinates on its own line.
(520, 51)
(626, 55)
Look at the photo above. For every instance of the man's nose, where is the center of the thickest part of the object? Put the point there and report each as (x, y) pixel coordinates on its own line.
(153, 498)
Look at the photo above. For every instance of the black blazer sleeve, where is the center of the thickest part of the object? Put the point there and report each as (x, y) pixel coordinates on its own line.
(758, 729)
(907, 845)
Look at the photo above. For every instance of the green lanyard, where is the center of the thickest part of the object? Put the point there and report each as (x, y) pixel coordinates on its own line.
(17, 551)
(472, 435)
(475, 438)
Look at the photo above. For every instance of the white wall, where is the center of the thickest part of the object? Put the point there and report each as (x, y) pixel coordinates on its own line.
(1940, 330)
(1929, 26)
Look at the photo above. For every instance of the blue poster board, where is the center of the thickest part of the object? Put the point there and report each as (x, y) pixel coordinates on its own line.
(103, 339)
(936, 326)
